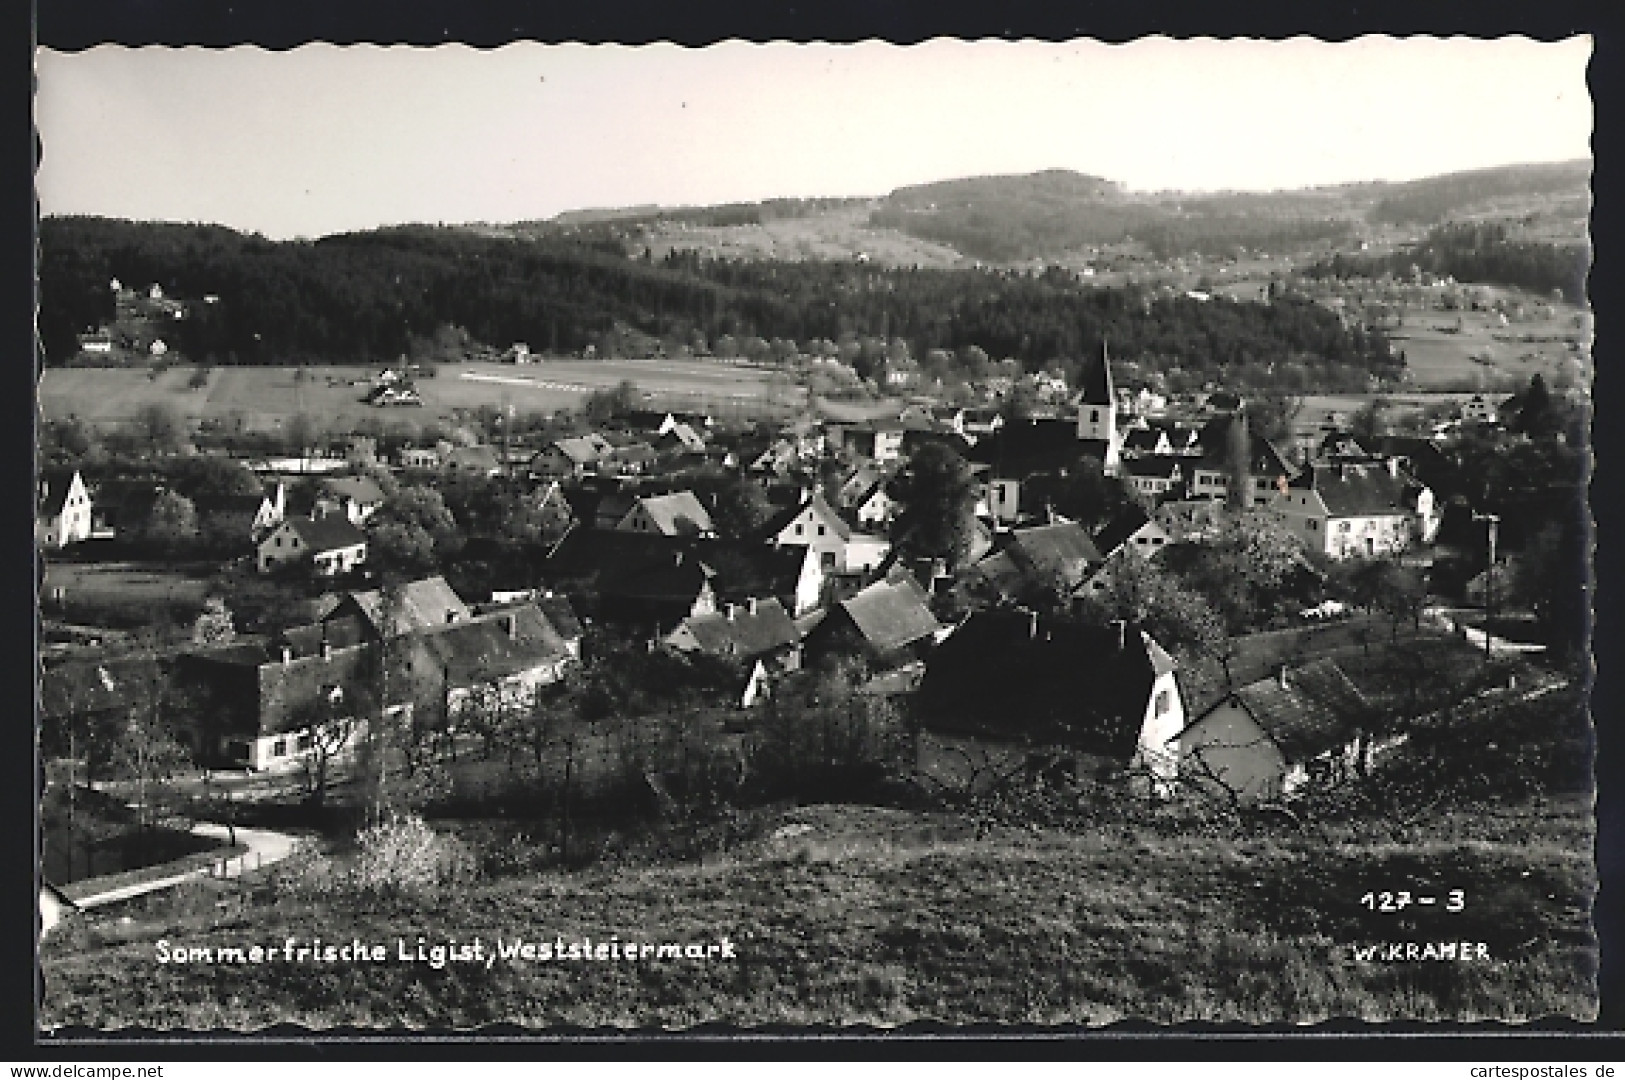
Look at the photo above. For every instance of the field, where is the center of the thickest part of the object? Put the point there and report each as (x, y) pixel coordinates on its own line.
(1484, 354)
(122, 592)
(265, 397)
(838, 235)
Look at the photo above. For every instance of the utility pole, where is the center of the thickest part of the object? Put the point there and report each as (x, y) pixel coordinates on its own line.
(1494, 522)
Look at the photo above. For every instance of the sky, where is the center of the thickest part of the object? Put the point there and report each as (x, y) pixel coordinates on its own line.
(324, 139)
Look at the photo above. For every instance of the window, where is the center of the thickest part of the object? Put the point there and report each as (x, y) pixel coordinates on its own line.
(279, 541)
(279, 748)
(821, 530)
(1094, 416)
(1165, 701)
(800, 529)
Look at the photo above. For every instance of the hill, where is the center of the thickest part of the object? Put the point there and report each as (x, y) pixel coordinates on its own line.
(878, 916)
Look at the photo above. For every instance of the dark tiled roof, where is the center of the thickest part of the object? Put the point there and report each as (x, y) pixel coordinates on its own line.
(742, 569)
(1155, 467)
(327, 533)
(341, 633)
(743, 633)
(1356, 490)
(561, 614)
(1007, 672)
(493, 646)
(1317, 710)
(1128, 521)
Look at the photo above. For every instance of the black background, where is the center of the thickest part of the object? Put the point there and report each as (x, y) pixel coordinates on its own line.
(281, 24)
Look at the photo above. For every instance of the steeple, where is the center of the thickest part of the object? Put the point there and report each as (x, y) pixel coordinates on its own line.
(1097, 409)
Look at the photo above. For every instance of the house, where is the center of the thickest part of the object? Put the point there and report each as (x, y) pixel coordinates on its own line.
(1356, 511)
(1480, 409)
(677, 514)
(1097, 412)
(418, 457)
(478, 460)
(356, 498)
(639, 579)
(859, 481)
(1132, 533)
(759, 633)
(1062, 554)
(1211, 475)
(570, 457)
(417, 605)
(888, 621)
(247, 517)
(874, 506)
(54, 906)
(1304, 727)
(394, 395)
(1027, 690)
(496, 659)
(742, 571)
(328, 546)
(1154, 476)
(631, 459)
(1003, 499)
(814, 523)
(978, 422)
(880, 440)
(63, 514)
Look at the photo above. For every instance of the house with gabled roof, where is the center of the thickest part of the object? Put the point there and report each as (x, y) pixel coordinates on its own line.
(1131, 534)
(572, 456)
(1063, 553)
(814, 523)
(328, 546)
(1155, 475)
(759, 633)
(63, 513)
(679, 513)
(355, 497)
(1302, 728)
(889, 620)
(480, 460)
(1356, 511)
(417, 605)
(1210, 477)
(1012, 689)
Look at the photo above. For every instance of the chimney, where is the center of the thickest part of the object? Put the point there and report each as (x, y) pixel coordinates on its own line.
(1122, 632)
(1393, 467)
(287, 654)
(750, 605)
(677, 558)
(732, 610)
(1280, 676)
(327, 650)
(513, 626)
(1032, 625)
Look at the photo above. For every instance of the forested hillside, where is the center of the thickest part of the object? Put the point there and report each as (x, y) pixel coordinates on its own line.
(1477, 253)
(357, 298)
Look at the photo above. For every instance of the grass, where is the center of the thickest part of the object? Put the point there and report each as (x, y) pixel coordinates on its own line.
(265, 397)
(885, 917)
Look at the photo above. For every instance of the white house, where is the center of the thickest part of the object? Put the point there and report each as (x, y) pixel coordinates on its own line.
(1156, 475)
(64, 512)
(356, 498)
(329, 546)
(1004, 499)
(1355, 511)
(815, 524)
(1479, 409)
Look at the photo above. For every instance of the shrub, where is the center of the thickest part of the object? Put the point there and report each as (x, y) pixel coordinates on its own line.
(407, 856)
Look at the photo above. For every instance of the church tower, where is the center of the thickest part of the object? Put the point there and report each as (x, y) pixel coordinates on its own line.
(1097, 410)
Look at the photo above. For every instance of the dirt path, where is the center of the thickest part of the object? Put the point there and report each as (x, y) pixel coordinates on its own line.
(264, 848)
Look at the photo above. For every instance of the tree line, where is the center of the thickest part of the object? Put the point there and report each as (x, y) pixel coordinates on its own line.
(364, 298)
(1475, 252)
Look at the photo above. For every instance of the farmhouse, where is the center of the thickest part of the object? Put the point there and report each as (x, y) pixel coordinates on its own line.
(1269, 739)
(1354, 511)
(64, 512)
(328, 546)
(416, 605)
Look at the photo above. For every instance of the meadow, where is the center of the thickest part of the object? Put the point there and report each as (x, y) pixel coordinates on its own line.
(266, 397)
